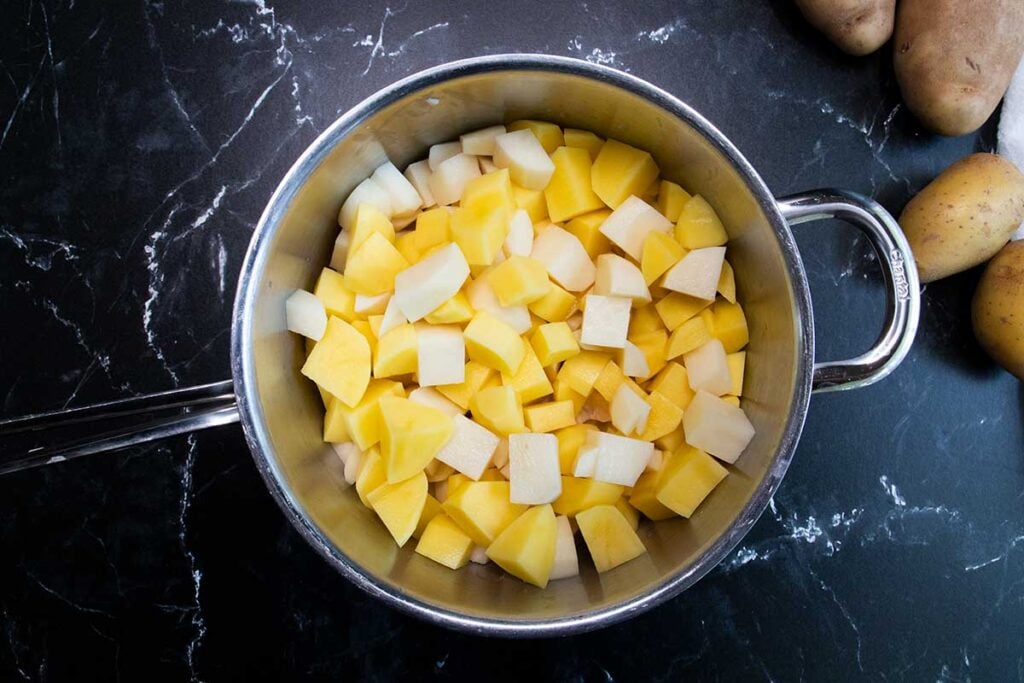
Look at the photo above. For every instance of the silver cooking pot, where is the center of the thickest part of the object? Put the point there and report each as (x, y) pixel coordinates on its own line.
(281, 412)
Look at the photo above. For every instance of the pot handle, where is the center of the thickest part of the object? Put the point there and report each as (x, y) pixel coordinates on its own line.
(138, 420)
(902, 288)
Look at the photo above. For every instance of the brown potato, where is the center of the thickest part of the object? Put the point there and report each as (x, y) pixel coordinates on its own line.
(964, 216)
(857, 27)
(997, 312)
(954, 59)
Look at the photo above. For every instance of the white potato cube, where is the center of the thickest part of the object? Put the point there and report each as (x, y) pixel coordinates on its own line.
(713, 425)
(440, 355)
(353, 465)
(567, 262)
(481, 142)
(707, 368)
(305, 314)
(629, 224)
(372, 304)
(616, 276)
(566, 562)
(656, 462)
(534, 475)
(524, 157)
(428, 396)
(620, 460)
(470, 448)
(419, 175)
(392, 318)
(697, 273)
(424, 286)
(478, 555)
(344, 450)
(605, 321)
(629, 411)
(519, 241)
(366, 192)
(633, 361)
(486, 165)
(500, 457)
(450, 178)
(482, 298)
(442, 152)
(586, 461)
(339, 255)
(404, 197)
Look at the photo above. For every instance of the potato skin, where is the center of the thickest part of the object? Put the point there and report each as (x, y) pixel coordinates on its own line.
(997, 312)
(954, 59)
(964, 216)
(857, 27)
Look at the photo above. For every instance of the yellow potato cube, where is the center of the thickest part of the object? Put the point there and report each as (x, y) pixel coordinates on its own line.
(548, 134)
(654, 346)
(340, 362)
(729, 326)
(479, 232)
(530, 381)
(488, 192)
(372, 474)
(584, 139)
(620, 171)
(587, 229)
(364, 328)
(555, 306)
(526, 547)
(519, 280)
(482, 509)
(532, 202)
(498, 409)
(736, 362)
(671, 199)
(673, 439)
(631, 514)
(411, 434)
(400, 505)
(445, 543)
(675, 309)
(699, 226)
(609, 537)
(458, 479)
(477, 376)
(686, 479)
(547, 417)
(672, 383)
(582, 494)
(431, 509)
(569, 441)
(644, 497)
(553, 343)
(406, 245)
(660, 252)
(563, 392)
(644, 319)
(665, 417)
(493, 343)
(609, 381)
(362, 422)
(396, 352)
(455, 310)
(687, 337)
(568, 193)
(370, 219)
(727, 283)
(582, 370)
(432, 228)
(338, 299)
(371, 269)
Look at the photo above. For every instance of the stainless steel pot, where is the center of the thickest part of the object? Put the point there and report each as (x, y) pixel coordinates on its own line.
(281, 413)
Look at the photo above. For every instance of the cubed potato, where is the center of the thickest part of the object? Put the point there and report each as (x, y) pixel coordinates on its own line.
(727, 283)
(631, 222)
(605, 321)
(441, 355)
(371, 269)
(697, 273)
(534, 474)
(442, 152)
(619, 459)
(430, 396)
(456, 310)
(629, 411)
(449, 179)
(477, 376)
(519, 241)
(553, 343)
(633, 361)
(526, 547)
(521, 153)
(493, 343)
(582, 494)
(620, 171)
(372, 474)
(411, 435)
(654, 346)
(582, 370)
(444, 542)
(568, 194)
(519, 280)
(340, 362)
(609, 537)
(481, 142)
(368, 220)
(566, 562)
(713, 425)
(587, 229)
(396, 352)
(555, 306)
(644, 497)
(615, 276)
(482, 509)
(707, 368)
(305, 314)
(671, 199)
(470, 448)
(548, 417)
(665, 417)
(730, 325)
(498, 409)
(404, 198)
(418, 174)
(686, 479)
(566, 260)
(691, 335)
(675, 309)
(659, 253)
(421, 288)
(531, 201)
(699, 226)
(399, 505)
(366, 192)
(584, 139)
(362, 422)
(529, 381)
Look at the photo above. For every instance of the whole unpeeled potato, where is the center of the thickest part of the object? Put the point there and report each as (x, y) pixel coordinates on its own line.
(997, 312)
(964, 216)
(954, 59)
(857, 27)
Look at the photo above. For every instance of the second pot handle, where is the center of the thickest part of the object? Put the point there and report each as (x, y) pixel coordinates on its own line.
(899, 272)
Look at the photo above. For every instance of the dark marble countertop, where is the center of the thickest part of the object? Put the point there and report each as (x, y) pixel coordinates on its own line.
(138, 144)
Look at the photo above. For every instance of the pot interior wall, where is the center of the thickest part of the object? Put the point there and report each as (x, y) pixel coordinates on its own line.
(300, 245)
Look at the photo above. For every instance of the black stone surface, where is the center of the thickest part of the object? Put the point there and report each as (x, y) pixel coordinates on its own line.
(138, 144)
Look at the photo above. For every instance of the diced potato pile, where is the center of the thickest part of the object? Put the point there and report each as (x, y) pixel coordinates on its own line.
(525, 328)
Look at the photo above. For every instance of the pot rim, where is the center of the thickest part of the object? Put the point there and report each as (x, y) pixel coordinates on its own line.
(251, 412)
